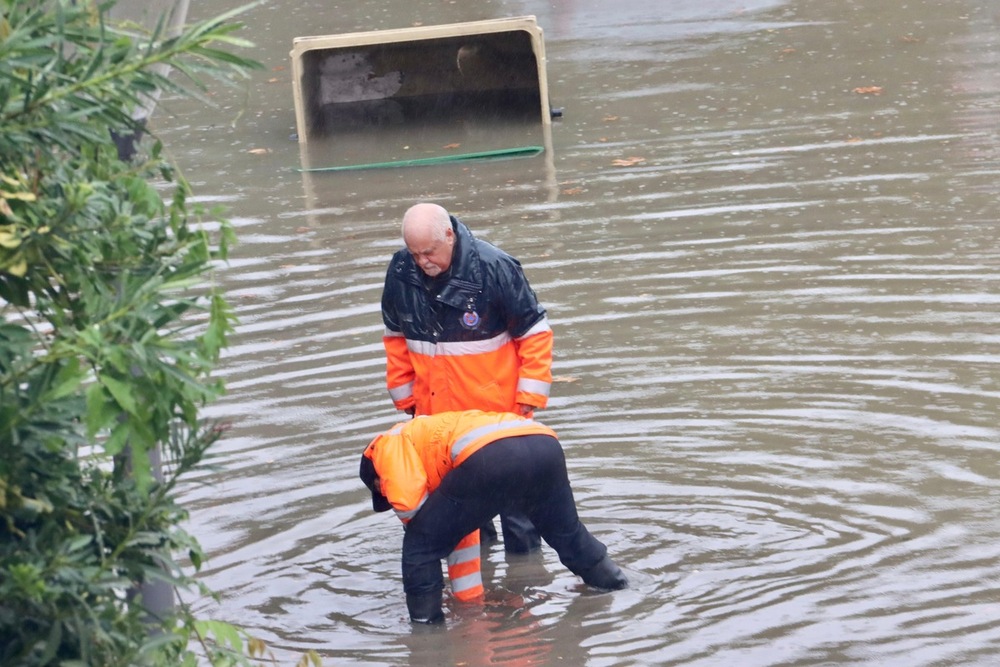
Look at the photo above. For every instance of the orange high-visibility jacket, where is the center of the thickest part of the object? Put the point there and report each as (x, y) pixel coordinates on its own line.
(475, 339)
(413, 457)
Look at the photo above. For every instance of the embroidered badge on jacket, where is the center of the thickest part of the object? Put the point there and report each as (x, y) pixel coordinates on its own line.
(470, 320)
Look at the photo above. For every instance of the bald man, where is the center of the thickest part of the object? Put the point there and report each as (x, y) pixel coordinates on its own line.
(464, 331)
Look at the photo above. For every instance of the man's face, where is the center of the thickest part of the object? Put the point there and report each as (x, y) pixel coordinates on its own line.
(432, 255)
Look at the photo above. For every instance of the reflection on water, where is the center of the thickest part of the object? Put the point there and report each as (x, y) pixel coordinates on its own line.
(766, 235)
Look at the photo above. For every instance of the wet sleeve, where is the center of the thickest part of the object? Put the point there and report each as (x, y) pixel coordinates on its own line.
(404, 480)
(528, 325)
(399, 373)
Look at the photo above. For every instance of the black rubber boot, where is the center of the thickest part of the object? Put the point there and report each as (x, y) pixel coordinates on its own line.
(488, 533)
(605, 574)
(425, 608)
(519, 535)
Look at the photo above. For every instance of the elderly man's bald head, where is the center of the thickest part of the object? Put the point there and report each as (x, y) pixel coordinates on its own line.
(429, 237)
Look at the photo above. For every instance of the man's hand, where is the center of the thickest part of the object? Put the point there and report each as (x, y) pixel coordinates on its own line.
(525, 410)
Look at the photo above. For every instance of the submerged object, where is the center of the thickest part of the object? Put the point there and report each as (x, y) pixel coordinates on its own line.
(471, 71)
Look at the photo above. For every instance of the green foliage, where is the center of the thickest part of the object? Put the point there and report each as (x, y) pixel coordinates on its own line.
(109, 331)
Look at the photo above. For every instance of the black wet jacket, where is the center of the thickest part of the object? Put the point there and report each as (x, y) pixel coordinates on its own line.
(484, 293)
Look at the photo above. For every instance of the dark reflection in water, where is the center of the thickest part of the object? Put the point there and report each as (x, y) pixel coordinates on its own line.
(766, 234)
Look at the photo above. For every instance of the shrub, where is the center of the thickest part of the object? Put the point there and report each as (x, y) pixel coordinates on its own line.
(109, 330)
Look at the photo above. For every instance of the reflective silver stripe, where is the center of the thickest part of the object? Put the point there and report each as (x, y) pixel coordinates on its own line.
(401, 392)
(477, 433)
(420, 347)
(406, 516)
(534, 386)
(540, 326)
(464, 555)
(467, 582)
(474, 346)
(460, 348)
(389, 333)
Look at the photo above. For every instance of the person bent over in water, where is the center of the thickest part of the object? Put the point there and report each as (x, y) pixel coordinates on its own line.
(446, 474)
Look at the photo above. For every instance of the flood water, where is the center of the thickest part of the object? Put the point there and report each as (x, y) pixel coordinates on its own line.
(766, 234)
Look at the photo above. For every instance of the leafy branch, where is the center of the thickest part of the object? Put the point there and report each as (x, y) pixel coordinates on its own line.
(110, 328)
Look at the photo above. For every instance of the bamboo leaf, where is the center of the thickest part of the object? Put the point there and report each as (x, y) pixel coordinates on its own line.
(121, 392)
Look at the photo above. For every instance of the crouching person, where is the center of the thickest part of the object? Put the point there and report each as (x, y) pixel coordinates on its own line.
(447, 474)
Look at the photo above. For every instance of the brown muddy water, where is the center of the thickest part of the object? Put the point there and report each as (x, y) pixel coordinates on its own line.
(766, 233)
